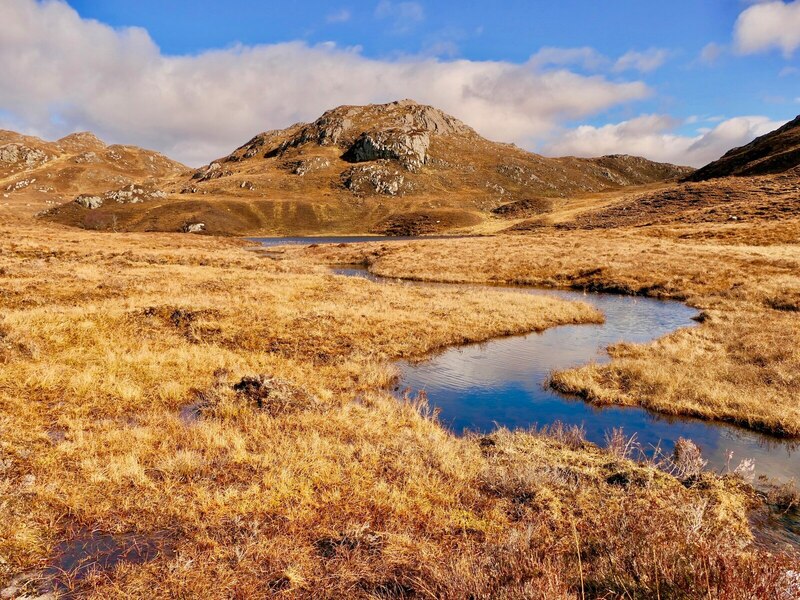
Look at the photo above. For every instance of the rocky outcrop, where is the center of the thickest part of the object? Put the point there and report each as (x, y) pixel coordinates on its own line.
(130, 194)
(309, 165)
(408, 147)
(211, 171)
(87, 157)
(22, 155)
(194, 227)
(20, 185)
(89, 201)
(376, 178)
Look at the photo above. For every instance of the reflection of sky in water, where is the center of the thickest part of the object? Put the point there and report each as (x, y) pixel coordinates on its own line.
(502, 383)
(295, 241)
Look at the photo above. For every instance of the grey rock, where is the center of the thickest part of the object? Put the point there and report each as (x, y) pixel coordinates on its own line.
(310, 165)
(20, 153)
(377, 178)
(89, 201)
(194, 227)
(408, 147)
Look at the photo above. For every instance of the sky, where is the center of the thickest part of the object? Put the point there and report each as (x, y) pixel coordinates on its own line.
(680, 81)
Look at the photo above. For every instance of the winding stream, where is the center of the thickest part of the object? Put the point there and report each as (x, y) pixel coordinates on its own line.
(503, 382)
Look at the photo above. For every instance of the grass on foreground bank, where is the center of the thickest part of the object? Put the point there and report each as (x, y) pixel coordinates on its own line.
(312, 481)
(741, 365)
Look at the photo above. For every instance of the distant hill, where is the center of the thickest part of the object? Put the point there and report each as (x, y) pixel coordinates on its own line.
(775, 152)
(391, 168)
(80, 163)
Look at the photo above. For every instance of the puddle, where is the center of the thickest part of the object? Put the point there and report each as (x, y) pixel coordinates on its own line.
(75, 559)
(191, 413)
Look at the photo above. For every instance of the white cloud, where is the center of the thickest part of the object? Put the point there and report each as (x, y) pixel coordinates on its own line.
(404, 14)
(769, 25)
(710, 53)
(654, 137)
(646, 61)
(69, 73)
(339, 16)
(585, 57)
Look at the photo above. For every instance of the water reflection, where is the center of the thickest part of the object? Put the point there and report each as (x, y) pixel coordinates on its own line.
(502, 383)
(295, 241)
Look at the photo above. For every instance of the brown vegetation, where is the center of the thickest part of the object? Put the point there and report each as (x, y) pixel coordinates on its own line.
(183, 418)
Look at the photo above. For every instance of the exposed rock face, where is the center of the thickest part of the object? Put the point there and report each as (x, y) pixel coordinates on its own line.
(408, 147)
(130, 194)
(377, 178)
(89, 201)
(212, 171)
(303, 167)
(87, 157)
(19, 154)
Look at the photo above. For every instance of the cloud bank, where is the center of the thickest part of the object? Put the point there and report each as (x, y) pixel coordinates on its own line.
(769, 25)
(71, 73)
(653, 136)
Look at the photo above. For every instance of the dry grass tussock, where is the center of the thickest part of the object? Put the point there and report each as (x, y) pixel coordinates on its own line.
(742, 364)
(181, 418)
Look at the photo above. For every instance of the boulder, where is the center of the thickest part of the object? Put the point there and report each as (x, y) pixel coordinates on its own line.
(89, 201)
(194, 227)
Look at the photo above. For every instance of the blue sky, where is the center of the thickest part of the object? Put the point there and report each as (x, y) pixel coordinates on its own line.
(678, 80)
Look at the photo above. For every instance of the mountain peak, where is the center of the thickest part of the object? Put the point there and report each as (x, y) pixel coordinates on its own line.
(81, 140)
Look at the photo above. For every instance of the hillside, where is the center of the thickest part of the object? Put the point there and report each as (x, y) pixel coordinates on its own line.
(775, 152)
(395, 168)
(757, 184)
(40, 174)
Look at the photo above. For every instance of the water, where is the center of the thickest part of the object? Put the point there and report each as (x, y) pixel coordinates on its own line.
(297, 241)
(503, 383)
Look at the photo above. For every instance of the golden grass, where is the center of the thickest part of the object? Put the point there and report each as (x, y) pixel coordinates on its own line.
(742, 364)
(319, 484)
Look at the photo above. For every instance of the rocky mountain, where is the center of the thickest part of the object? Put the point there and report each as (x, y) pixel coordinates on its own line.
(46, 173)
(400, 167)
(408, 149)
(775, 152)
